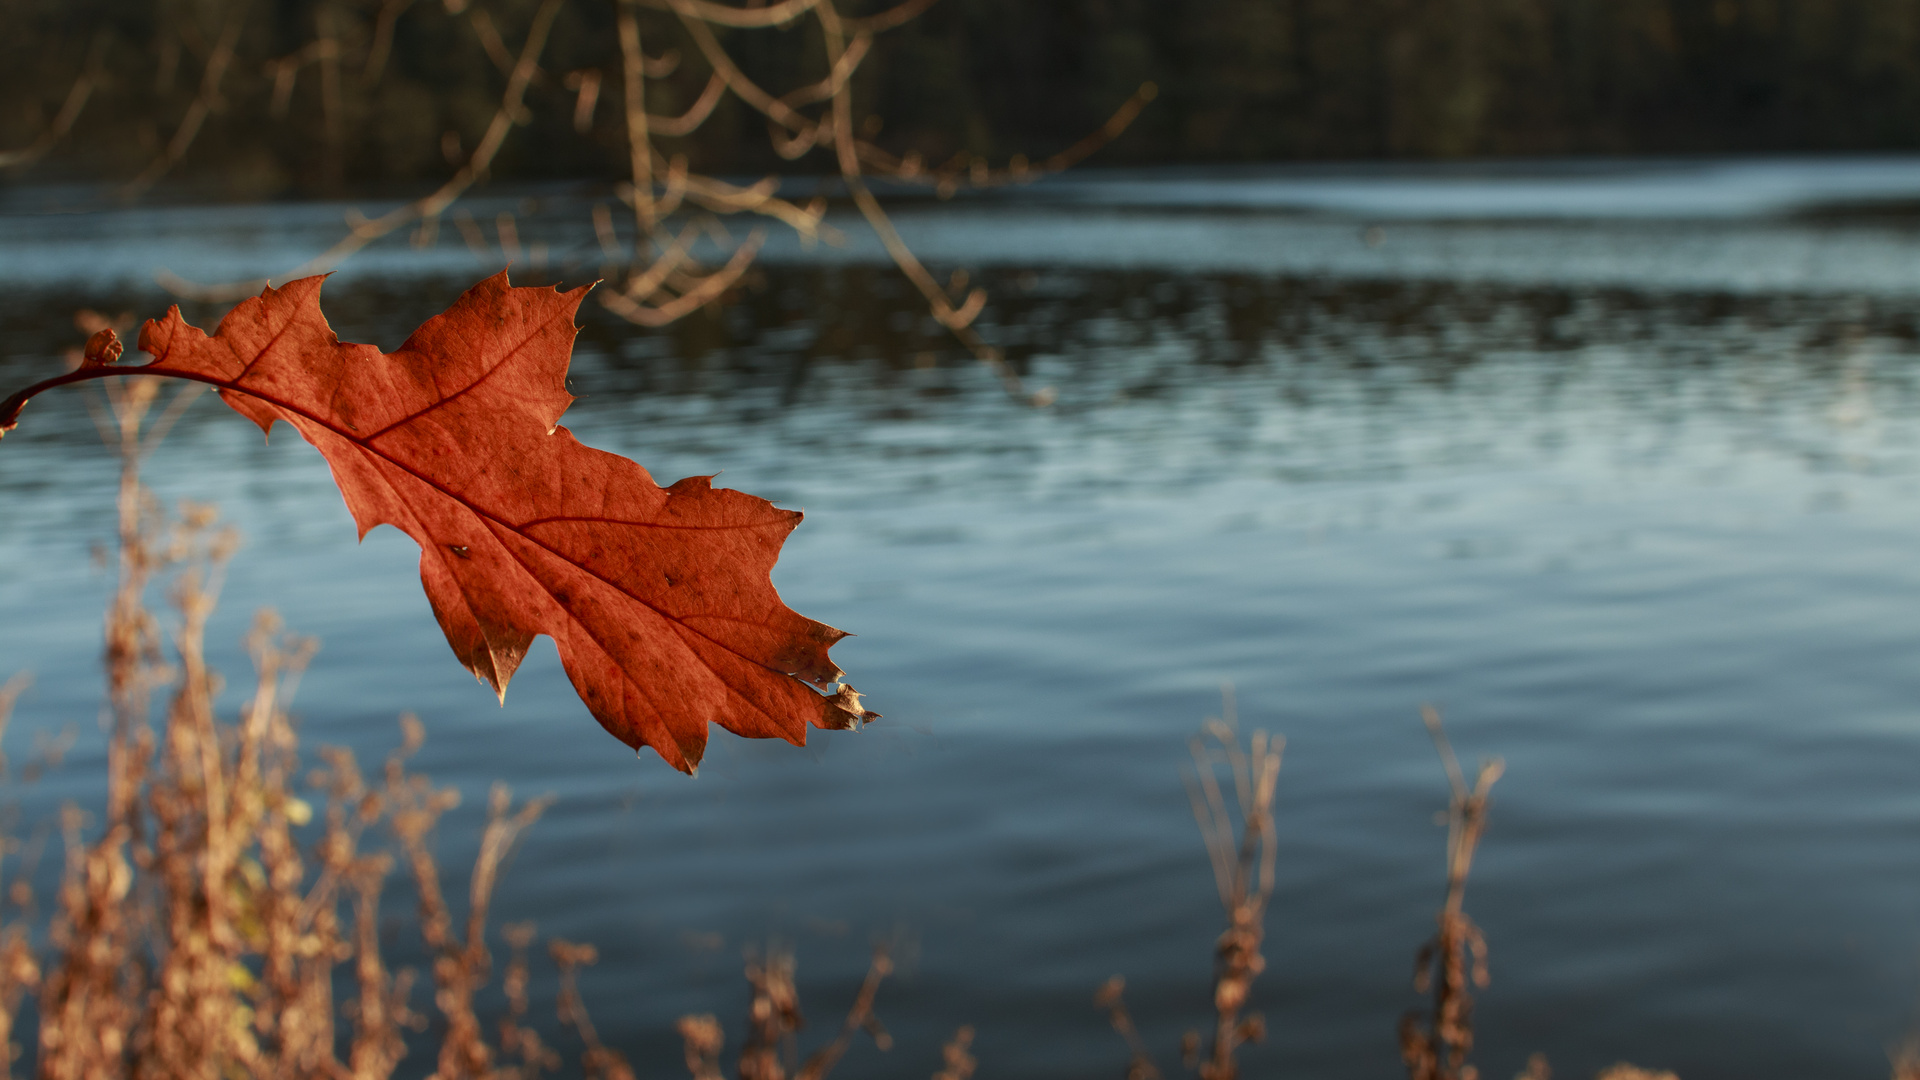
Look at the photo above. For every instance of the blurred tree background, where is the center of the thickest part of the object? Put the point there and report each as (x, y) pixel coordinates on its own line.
(321, 95)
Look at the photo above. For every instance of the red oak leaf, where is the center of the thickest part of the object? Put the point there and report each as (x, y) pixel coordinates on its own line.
(659, 599)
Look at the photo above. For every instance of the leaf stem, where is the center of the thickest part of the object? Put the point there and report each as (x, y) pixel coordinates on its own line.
(10, 408)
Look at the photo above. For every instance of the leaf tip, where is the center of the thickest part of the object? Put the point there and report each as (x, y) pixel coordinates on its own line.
(843, 711)
(483, 673)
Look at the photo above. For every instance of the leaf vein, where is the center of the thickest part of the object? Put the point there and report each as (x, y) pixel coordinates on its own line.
(558, 519)
(674, 620)
(445, 398)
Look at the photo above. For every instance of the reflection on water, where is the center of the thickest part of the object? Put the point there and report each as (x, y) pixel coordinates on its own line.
(1654, 547)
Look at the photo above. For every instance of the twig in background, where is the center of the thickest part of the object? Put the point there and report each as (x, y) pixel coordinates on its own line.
(331, 105)
(19, 967)
(957, 1062)
(190, 938)
(585, 83)
(1243, 869)
(1242, 848)
(859, 1018)
(202, 106)
(516, 1037)
(63, 121)
(1905, 1059)
(1624, 1071)
(704, 1040)
(773, 1016)
(376, 63)
(87, 1002)
(366, 230)
(599, 1061)
(773, 1020)
(815, 115)
(1537, 1069)
(845, 44)
(1438, 1050)
(1112, 998)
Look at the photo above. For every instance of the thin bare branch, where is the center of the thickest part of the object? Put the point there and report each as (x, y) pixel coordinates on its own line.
(369, 230)
(63, 121)
(722, 64)
(382, 46)
(639, 144)
(859, 1018)
(705, 292)
(725, 198)
(490, 40)
(585, 85)
(1112, 997)
(687, 122)
(203, 104)
(888, 19)
(778, 14)
(843, 69)
(963, 172)
(644, 284)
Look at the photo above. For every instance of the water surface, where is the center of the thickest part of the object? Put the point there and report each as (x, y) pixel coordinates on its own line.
(1635, 502)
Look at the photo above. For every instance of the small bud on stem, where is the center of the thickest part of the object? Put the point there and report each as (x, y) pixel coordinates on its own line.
(103, 348)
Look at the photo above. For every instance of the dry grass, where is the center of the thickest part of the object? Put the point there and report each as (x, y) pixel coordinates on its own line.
(1624, 1071)
(1437, 1047)
(771, 1051)
(201, 920)
(1242, 847)
(204, 917)
(1906, 1059)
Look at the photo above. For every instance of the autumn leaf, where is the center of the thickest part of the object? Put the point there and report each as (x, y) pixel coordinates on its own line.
(659, 599)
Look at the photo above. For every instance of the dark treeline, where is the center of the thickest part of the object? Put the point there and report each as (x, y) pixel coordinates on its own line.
(307, 102)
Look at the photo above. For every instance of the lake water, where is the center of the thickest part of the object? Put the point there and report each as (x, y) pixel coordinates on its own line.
(1631, 492)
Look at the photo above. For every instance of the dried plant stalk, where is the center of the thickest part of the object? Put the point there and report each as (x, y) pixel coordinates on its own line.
(204, 102)
(197, 934)
(1243, 871)
(19, 966)
(1438, 1049)
(76, 100)
(773, 1022)
(1140, 1063)
(1243, 850)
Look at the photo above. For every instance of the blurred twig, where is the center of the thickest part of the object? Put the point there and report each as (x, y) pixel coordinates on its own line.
(773, 1020)
(63, 121)
(1438, 1048)
(204, 102)
(1242, 848)
(1243, 870)
(656, 279)
(365, 231)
